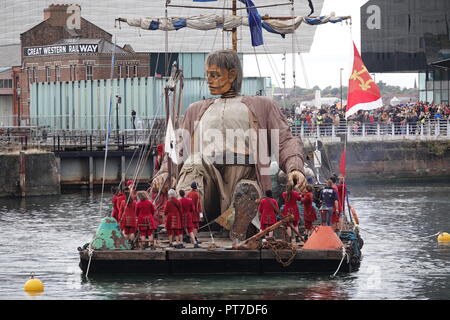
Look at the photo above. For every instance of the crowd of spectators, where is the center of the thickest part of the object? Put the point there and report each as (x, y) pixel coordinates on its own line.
(413, 114)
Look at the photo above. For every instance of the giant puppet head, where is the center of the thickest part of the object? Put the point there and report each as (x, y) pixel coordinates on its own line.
(224, 73)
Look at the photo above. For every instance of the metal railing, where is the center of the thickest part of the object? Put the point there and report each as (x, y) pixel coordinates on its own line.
(65, 140)
(375, 131)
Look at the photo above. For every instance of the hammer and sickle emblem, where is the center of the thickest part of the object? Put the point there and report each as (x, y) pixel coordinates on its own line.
(357, 76)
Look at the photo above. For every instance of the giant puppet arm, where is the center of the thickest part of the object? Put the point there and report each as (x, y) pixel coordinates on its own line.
(290, 148)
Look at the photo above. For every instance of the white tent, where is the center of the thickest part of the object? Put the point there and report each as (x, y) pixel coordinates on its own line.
(395, 101)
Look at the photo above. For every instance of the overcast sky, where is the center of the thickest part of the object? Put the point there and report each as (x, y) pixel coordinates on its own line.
(331, 50)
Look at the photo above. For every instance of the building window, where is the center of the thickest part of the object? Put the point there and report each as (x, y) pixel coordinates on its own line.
(135, 71)
(57, 73)
(5, 84)
(120, 71)
(47, 74)
(89, 73)
(127, 71)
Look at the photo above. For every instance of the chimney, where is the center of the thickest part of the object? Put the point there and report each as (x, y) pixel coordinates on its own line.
(57, 14)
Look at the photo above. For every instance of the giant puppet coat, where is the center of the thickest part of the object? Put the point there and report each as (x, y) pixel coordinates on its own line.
(218, 182)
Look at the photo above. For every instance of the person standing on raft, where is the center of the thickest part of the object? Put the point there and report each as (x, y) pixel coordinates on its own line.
(174, 224)
(197, 215)
(308, 210)
(127, 216)
(268, 208)
(187, 209)
(145, 221)
(290, 198)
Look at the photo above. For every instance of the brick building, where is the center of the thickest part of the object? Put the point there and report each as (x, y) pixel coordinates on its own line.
(53, 51)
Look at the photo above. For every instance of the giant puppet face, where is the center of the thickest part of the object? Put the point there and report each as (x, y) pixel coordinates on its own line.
(219, 80)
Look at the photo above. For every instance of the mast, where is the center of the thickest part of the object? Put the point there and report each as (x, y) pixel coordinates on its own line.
(234, 31)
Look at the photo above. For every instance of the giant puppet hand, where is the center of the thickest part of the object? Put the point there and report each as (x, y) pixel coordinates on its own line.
(161, 183)
(297, 179)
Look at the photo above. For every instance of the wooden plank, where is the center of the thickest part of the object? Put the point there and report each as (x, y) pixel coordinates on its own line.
(220, 254)
(127, 255)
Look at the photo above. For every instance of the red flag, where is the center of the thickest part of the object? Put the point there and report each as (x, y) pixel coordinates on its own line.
(363, 93)
(342, 162)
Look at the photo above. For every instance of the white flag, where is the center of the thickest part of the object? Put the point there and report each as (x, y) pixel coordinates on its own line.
(170, 142)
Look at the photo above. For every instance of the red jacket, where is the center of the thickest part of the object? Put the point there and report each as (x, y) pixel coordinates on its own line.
(309, 211)
(291, 207)
(195, 196)
(173, 214)
(144, 212)
(187, 208)
(127, 214)
(116, 200)
(268, 213)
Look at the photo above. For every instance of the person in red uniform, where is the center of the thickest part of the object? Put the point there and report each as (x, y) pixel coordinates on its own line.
(337, 209)
(174, 225)
(159, 157)
(197, 216)
(145, 220)
(268, 208)
(308, 209)
(290, 198)
(132, 188)
(116, 200)
(127, 216)
(187, 209)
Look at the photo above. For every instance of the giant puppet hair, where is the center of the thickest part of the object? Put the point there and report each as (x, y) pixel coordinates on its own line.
(228, 60)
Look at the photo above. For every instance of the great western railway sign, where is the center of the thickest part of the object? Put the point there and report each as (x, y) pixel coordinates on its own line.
(60, 49)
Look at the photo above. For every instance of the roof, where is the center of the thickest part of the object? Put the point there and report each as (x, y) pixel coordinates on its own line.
(10, 55)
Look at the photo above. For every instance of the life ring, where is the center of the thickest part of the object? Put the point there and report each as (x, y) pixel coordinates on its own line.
(355, 216)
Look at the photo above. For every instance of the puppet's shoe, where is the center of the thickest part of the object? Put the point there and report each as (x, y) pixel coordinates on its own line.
(244, 199)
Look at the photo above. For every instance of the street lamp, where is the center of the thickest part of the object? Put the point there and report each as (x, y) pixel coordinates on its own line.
(118, 101)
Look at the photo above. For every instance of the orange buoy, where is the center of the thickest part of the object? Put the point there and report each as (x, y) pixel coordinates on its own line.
(355, 216)
(323, 238)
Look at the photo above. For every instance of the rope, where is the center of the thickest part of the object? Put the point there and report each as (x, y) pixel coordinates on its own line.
(344, 254)
(90, 253)
(276, 245)
(113, 59)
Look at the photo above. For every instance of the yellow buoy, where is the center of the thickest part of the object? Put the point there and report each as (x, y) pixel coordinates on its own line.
(33, 285)
(443, 237)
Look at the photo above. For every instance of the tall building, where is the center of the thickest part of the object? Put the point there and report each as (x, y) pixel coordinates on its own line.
(53, 52)
(409, 36)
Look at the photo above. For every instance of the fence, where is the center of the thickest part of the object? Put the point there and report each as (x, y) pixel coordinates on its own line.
(153, 132)
(376, 131)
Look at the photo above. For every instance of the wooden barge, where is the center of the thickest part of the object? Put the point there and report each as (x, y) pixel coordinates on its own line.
(204, 261)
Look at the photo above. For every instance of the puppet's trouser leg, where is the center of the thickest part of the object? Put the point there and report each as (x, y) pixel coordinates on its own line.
(209, 184)
(216, 184)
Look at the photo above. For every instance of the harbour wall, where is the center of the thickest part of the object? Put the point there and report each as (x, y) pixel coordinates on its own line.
(45, 173)
(392, 160)
(29, 173)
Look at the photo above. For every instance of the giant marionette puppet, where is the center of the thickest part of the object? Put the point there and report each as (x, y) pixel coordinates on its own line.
(227, 145)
